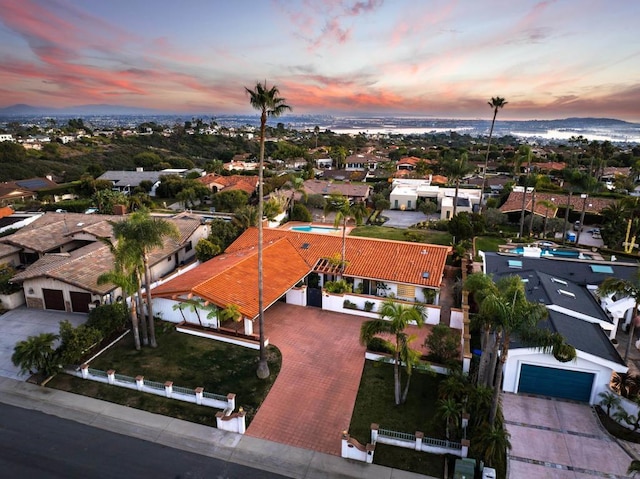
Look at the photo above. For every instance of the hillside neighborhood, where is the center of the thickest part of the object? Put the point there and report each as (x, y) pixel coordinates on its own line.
(485, 279)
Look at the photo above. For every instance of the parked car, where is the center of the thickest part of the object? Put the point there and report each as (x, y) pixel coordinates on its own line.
(577, 226)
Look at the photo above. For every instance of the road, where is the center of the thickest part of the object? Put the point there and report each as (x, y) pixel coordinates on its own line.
(33, 444)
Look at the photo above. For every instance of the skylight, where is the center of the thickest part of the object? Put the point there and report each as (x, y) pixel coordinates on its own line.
(559, 281)
(564, 292)
(425, 275)
(514, 263)
(601, 268)
(305, 246)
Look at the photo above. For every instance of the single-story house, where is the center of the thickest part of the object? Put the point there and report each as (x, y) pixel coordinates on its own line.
(568, 289)
(405, 194)
(355, 192)
(296, 265)
(217, 183)
(591, 205)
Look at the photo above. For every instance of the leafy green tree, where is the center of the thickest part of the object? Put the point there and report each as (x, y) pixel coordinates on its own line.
(443, 344)
(76, 341)
(460, 227)
(270, 104)
(206, 249)
(106, 200)
(223, 233)
(36, 354)
(230, 200)
(491, 444)
(344, 210)
(301, 213)
(393, 319)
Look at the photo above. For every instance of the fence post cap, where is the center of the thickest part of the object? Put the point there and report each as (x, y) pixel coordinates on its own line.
(168, 384)
(139, 377)
(199, 390)
(111, 371)
(219, 414)
(419, 434)
(465, 443)
(375, 426)
(231, 396)
(84, 366)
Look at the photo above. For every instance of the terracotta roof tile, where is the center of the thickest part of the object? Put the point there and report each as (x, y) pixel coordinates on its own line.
(593, 205)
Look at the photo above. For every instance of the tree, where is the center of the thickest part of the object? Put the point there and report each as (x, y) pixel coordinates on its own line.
(443, 344)
(496, 103)
(450, 411)
(270, 104)
(492, 443)
(36, 354)
(393, 320)
(506, 312)
(609, 400)
(624, 288)
(548, 205)
(455, 169)
(144, 233)
(344, 210)
(206, 249)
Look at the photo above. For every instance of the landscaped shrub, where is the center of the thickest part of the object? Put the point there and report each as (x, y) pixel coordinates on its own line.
(443, 344)
(337, 287)
(379, 345)
(368, 305)
(109, 318)
(6, 273)
(349, 304)
(75, 342)
(36, 354)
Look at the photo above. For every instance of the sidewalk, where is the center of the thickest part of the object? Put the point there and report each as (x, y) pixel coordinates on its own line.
(196, 438)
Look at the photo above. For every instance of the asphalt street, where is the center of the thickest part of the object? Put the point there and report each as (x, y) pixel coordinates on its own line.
(34, 444)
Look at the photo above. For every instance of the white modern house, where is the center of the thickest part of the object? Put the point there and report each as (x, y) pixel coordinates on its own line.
(405, 194)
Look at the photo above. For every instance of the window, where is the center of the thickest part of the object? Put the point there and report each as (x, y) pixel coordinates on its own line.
(406, 291)
(559, 281)
(564, 292)
(188, 247)
(598, 268)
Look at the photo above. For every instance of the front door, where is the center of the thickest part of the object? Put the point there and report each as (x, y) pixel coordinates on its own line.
(314, 297)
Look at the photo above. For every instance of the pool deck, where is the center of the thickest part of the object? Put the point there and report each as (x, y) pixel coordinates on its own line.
(325, 226)
(589, 254)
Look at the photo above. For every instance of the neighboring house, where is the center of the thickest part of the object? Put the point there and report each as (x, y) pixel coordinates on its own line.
(361, 162)
(324, 163)
(66, 258)
(6, 137)
(217, 183)
(405, 194)
(577, 202)
(127, 181)
(568, 290)
(297, 265)
(241, 165)
(355, 192)
(10, 193)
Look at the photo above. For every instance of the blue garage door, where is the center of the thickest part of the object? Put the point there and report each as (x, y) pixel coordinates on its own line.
(559, 383)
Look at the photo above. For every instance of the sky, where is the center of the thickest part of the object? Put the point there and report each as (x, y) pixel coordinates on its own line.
(418, 58)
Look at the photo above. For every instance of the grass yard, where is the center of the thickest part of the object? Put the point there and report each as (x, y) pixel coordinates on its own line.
(375, 404)
(399, 234)
(189, 362)
(489, 243)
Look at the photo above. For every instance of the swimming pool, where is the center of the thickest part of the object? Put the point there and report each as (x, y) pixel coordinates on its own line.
(565, 253)
(315, 229)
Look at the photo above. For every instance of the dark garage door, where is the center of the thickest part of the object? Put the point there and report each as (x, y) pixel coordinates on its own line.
(559, 383)
(53, 299)
(80, 301)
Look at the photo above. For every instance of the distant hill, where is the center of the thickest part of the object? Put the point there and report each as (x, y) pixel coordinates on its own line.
(22, 109)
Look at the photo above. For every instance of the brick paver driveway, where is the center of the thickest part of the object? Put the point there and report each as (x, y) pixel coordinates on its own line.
(551, 438)
(312, 400)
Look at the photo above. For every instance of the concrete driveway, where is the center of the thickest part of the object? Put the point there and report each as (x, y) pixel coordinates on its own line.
(559, 439)
(403, 219)
(19, 324)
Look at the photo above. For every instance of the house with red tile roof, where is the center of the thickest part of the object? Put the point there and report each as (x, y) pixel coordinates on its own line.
(217, 183)
(537, 202)
(296, 265)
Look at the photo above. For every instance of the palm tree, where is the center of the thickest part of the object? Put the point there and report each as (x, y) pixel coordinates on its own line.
(393, 320)
(548, 205)
(450, 411)
(269, 102)
(510, 313)
(35, 354)
(128, 282)
(344, 210)
(492, 443)
(316, 132)
(624, 288)
(609, 400)
(496, 103)
(456, 169)
(146, 233)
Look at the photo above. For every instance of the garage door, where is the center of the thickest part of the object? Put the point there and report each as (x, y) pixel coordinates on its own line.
(559, 383)
(53, 299)
(80, 301)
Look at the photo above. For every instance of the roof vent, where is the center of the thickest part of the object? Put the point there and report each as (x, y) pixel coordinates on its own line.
(305, 246)
(424, 251)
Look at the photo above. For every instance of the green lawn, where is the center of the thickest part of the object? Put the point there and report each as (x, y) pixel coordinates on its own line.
(375, 404)
(399, 234)
(489, 243)
(189, 362)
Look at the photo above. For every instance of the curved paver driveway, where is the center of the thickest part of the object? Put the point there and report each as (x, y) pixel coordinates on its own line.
(551, 438)
(312, 400)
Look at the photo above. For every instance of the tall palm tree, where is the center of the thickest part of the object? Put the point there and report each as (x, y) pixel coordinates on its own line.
(128, 282)
(496, 103)
(624, 288)
(344, 210)
(146, 233)
(456, 169)
(393, 320)
(512, 314)
(450, 411)
(269, 103)
(491, 444)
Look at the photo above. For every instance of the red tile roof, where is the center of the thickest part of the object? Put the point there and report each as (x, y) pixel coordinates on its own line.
(593, 205)
(234, 182)
(383, 260)
(232, 278)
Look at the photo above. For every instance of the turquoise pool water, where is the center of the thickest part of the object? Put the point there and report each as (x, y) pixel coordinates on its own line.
(565, 253)
(314, 229)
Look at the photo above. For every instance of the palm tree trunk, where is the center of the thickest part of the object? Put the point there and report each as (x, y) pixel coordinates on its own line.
(396, 376)
(524, 204)
(496, 390)
(405, 393)
(491, 370)
(344, 245)
(485, 358)
(486, 159)
(142, 318)
(134, 324)
(147, 279)
(533, 207)
(455, 199)
(263, 366)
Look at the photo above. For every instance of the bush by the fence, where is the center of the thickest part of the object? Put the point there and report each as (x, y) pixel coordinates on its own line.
(75, 342)
(109, 318)
(379, 345)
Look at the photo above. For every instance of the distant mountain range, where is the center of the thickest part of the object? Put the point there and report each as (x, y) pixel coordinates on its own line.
(21, 109)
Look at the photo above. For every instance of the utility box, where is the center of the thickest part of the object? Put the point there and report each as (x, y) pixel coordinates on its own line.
(488, 473)
(464, 469)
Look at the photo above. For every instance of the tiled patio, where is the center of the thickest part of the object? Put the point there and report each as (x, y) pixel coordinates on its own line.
(312, 400)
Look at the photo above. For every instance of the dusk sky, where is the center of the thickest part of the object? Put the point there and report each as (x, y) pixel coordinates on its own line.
(439, 58)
